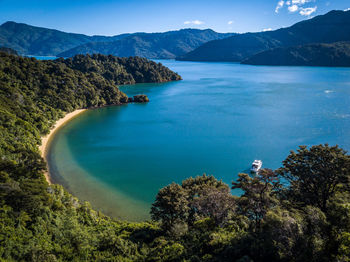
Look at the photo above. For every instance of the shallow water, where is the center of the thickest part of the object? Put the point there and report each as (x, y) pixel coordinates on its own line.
(217, 120)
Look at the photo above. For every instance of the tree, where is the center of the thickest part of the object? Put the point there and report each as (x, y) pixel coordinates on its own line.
(197, 198)
(215, 203)
(195, 186)
(314, 175)
(259, 194)
(198, 188)
(344, 254)
(171, 206)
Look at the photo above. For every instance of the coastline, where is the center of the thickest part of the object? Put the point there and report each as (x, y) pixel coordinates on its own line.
(45, 139)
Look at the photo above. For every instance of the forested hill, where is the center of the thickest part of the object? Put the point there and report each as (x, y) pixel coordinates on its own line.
(166, 45)
(332, 55)
(331, 27)
(32, 40)
(122, 70)
(34, 94)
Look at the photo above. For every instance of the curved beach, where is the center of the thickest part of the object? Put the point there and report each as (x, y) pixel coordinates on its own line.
(45, 139)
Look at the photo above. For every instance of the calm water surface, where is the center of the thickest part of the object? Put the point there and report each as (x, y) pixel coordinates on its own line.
(43, 57)
(217, 120)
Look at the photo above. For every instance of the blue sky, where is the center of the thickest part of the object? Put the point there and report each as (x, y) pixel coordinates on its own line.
(111, 17)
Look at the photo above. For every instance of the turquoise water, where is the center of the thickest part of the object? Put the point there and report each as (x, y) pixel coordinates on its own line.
(217, 120)
(43, 57)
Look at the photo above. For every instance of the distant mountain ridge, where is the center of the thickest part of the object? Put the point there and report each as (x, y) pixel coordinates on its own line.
(299, 44)
(166, 45)
(331, 27)
(32, 40)
(331, 55)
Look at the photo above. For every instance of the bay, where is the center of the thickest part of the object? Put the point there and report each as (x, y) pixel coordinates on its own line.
(217, 120)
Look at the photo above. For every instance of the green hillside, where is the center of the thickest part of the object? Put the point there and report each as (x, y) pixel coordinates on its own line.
(334, 54)
(331, 27)
(32, 40)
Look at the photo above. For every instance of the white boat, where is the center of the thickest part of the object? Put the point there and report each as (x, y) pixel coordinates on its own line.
(256, 166)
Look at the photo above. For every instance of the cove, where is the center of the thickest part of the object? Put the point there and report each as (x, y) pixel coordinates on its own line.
(217, 120)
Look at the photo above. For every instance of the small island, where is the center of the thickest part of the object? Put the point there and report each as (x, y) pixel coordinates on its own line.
(138, 99)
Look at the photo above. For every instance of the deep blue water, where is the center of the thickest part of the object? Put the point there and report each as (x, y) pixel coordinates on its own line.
(217, 120)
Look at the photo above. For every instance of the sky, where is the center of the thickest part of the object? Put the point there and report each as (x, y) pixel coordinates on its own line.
(112, 17)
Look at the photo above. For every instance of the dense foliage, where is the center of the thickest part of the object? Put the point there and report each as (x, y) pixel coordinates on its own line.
(121, 70)
(300, 212)
(329, 28)
(8, 50)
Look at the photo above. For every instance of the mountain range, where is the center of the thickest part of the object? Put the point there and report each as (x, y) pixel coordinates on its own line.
(331, 27)
(32, 40)
(322, 40)
(333, 54)
(166, 45)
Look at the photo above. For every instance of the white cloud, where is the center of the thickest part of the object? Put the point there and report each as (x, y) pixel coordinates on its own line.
(194, 22)
(280, 4)
(347, 9)
(267, 29)
(300, 2)
(230, 22)
(307, 11)
(293, 8)
(297, 6)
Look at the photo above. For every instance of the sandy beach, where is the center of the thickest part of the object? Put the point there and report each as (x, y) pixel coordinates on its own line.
(45, 139)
